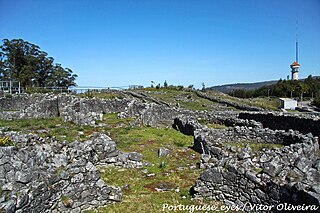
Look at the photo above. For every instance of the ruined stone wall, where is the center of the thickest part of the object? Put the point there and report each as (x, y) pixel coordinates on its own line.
(238, 175)
(83, 111)
(45, 175)
(285, 122)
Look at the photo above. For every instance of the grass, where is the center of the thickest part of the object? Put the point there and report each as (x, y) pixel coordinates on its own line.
(211, 124)
(113, 120)
(103, 95)
(178, 170)
(49, 127)
(139, 194)
(186, 99)
(265, 103)
(256, 146)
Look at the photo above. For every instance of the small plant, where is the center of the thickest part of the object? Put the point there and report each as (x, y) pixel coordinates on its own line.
(66, 201)
(5, 141)
(163, 165)
(258, 169)
(8, 96)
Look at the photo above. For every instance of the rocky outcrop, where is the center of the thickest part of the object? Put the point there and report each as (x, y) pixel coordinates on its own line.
(45, 175)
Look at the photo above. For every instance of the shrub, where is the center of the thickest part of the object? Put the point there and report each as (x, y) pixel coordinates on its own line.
(316, 102)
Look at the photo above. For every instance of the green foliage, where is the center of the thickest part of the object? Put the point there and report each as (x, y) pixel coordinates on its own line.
(212, 125)
(25, 62)
(316, 102)
(104, 95)
(309, 87)
(165, 84)
(255, 147)
(5, 141)
(140, 195)
(66, 201)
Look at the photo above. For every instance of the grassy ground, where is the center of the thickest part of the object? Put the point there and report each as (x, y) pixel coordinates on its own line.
(186, 99)
(266, 103)
(178, 171)
(255, 147)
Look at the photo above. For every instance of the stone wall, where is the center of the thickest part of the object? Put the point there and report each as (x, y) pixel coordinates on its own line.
(227, 102)
(45, 175)
(84, 111)
(285, 122)
(238, 175)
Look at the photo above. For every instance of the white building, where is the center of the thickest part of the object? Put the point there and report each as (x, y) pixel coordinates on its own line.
(288, 103)
(295, 70)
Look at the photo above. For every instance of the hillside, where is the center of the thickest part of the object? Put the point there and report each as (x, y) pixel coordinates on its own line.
(246, 86)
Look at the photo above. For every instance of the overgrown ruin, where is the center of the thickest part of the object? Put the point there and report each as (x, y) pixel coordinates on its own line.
(261, 157)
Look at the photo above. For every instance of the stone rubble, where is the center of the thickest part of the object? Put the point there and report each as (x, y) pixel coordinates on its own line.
(237, 175)
(45, 175)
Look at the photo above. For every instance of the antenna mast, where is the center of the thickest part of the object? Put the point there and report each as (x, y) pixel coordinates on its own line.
(297, 39)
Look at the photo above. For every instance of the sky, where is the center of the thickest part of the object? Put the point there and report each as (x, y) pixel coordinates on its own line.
(114, 43)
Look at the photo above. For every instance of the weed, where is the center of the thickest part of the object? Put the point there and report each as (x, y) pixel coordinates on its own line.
(66, 201)
(5, 141)
(255, 147)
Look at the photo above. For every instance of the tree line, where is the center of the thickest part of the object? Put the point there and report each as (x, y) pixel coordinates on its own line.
(27, 63)
(309, 87)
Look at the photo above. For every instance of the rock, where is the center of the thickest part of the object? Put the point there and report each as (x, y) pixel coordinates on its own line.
(8, 207)
(23, 177)
(77, 178)
(100, 183)
(22, 199)
(211, 175)
(317, 165)
(135, 156)
(303, 164)
(272, 168)
(163, 152)
(205, 158)
(243, 155)
(90, 167)
(7, 187)
(264, 158)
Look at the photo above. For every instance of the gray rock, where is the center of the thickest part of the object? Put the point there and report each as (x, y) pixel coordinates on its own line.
(135, 156)
(100, 183)
(243, 155)
(23, 177)
(163, 152)
(22, 199)
(90, 167)
(211, 175)
(8, 207)
(205, 158)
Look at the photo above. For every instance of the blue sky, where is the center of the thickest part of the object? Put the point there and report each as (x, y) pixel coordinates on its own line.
(123, 42)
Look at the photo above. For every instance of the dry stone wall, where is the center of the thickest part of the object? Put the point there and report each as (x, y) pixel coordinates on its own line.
(285, 121)
(238, 175)
(45, 175)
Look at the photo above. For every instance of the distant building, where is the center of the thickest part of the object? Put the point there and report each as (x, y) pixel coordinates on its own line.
(295, 70)
(288, 103)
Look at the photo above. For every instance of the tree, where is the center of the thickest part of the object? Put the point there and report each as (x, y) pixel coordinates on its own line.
(25, 62)
(165, 84)
(203, 86)
(60, 77)
(190, 86)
